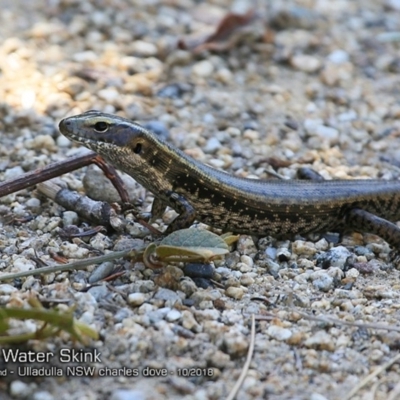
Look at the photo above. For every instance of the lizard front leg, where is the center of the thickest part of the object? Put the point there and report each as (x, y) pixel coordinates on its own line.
(187, 214)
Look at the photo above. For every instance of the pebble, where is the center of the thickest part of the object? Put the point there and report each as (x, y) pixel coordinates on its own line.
(156, 316)
(189, 322)
(316, 128)
(42, 395)
(279, 333)
(317, 396)
(338, 56)
(305, 63)
(182, 385)
(128, 394)
(320, 341)
(219, 359)
(33, 202)
(271, 252)
(99, 292)
(13, 172)
(247, 280)
(41, 142)
(84, 56)
(167, 295)
(173, 91)
(272, 267)
(22, 264)
(127, 243)
(19, 389)
(235, 344)
(144, 49)
(6, 289)
(212, 145)
(247, 260)
(393, 4)
(300, 247)
(242, 267)
(173, 315)
(234, 292)
(283, 254)
(72, 250)
(335, 257)
(352, 273)
(70, 218)
(199, 270)
(322, 281)
(136, 299)
(101, 272)
(203, 69)
(294, 17)
(98, 187)
(100, 242)
(109, 95)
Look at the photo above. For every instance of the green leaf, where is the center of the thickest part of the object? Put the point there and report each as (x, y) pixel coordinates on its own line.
(190, 238)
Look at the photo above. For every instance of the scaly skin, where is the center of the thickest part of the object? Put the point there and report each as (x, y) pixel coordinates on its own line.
(258, 207)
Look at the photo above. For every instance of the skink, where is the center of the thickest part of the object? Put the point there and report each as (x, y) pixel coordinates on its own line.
(196, 191)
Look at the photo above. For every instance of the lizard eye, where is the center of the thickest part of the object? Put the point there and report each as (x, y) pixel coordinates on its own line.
(101, 126)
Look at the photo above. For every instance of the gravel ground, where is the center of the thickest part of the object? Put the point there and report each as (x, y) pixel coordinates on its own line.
(316, 84)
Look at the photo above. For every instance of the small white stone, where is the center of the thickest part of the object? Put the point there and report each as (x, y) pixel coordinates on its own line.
(143, 48)
(85, 56)
(7, 289)
(136, 299)
(246, 280)
(234, 292)
(33, 202)
(326, 132)
(42, 395)
(173, 315)
(21, 264)
(62, 141)
(128, 394)
(304, 248)
(41, 142)
(189, 322)
(322, 280)
(320, 340)
(224, 75)
(203, 68)
(13, 172)
(352, 273)
(109, 94)
(306, 63)
(393, 4)
(317, 396)
(213, 144)
(338, 56)
(279, 333)
(70, 218)
(247, 260)
(72, 250)
(87, 317)
(19, 389)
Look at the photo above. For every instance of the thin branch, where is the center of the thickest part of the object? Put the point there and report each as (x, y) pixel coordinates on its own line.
(232, 395)
(81, 264)
(371, 376)
(62, 167)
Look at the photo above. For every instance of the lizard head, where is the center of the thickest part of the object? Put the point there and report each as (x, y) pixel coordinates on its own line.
(104, 133)
(123, 143)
